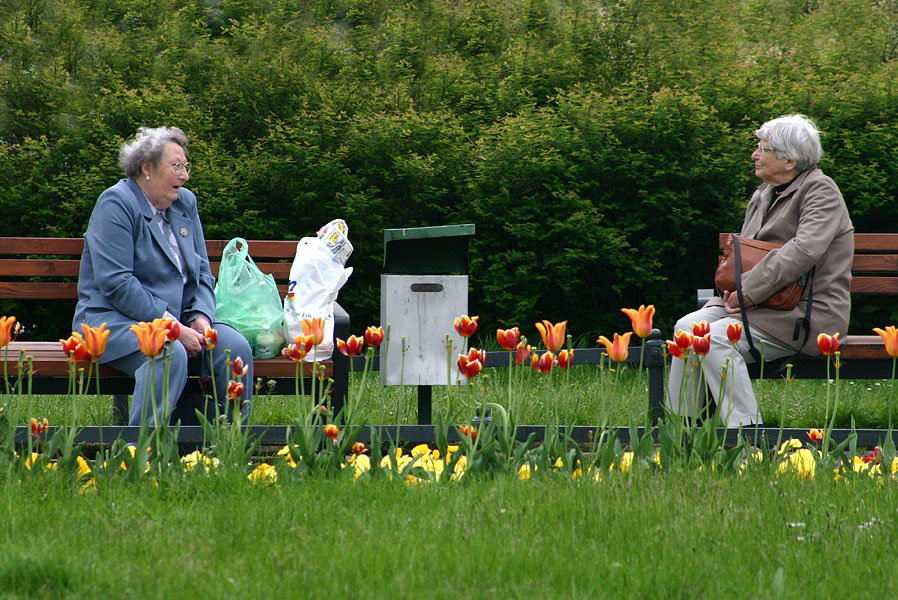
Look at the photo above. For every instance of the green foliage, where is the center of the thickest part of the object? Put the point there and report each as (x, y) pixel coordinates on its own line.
(597, 145)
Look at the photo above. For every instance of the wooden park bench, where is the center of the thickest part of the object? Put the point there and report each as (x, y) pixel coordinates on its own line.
(874, 272)
(41, 269)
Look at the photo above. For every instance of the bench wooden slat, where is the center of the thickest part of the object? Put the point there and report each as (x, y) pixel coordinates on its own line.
(49, 360)
(16, 245)
(875, 242)
(875, 263)
(874, 285)
(45, 290)
(44, 267)
(260, 248)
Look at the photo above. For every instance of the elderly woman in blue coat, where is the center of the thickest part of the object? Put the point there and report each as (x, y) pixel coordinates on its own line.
(145, 258)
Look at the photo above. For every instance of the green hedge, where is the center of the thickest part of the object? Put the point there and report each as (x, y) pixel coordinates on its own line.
(597, 145)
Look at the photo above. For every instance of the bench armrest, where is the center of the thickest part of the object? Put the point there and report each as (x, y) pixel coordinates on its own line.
(702, 295)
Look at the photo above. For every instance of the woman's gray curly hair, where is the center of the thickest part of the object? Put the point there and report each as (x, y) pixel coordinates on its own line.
(795, 137)
(146, 147)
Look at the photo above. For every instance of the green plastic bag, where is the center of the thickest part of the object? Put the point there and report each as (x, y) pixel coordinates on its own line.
(246, 298)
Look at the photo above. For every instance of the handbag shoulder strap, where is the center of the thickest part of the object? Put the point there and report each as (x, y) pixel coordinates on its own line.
(755, 354)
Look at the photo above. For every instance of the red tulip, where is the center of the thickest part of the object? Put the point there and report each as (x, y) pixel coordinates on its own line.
(508, 338)
(352, 346)
(816, 435)
(235, 389)
(239, 369)
(331, 431)
(701, 328)
(465, 325)
(734, 332)
(468, 431)
(475, 354)
(565, 359)
(683, 339)
(828, 345)
(468, 368)
(211, 338)
(39, 427)
(641, 318)
(374, 336)
(543, 364)
(358, 448)
(701, 344)
(674, 350)
(171, 326)
(74, 348)
(521, 353)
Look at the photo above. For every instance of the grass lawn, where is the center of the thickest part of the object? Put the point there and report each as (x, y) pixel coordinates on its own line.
(646, 534)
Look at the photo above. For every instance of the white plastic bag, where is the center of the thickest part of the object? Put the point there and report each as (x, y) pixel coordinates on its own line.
(315, 279)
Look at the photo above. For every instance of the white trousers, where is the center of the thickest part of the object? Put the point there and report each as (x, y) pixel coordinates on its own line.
(737, 404)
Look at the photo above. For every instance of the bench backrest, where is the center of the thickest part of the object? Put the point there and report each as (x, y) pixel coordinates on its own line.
(47, 268)
(875, 267)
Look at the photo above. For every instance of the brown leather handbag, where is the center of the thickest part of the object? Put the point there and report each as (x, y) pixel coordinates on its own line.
(749, 253)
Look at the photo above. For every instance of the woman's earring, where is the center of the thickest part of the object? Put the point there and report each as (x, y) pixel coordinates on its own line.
(147, 177)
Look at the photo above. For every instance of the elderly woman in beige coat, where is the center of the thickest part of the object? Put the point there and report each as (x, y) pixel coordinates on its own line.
(801, 208)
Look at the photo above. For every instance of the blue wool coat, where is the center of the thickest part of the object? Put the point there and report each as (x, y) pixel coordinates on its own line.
(128, 273)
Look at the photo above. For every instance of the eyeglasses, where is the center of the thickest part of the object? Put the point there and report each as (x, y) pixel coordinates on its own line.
(760, 149)
(178, 167)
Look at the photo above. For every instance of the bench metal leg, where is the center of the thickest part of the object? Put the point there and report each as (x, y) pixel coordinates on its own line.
(654, 363)
(121, 409)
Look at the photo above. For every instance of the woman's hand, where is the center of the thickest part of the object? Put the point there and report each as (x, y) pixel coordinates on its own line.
(193, 336)
(731, 303)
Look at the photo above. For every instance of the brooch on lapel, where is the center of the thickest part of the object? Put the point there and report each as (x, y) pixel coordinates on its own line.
(183, 232)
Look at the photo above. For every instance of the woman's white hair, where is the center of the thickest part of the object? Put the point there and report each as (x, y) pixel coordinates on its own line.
(795, 137)
(146, 147)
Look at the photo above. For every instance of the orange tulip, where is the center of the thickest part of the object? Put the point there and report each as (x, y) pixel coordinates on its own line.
(374, 336)
(890, 339)
(468, 368)
(74, 348)
(734, 332)
(465, 325)
(211, 338)
(299, 349)
(151, 340)
(553, 335)
(565, 359)
(352, 346)
(358, 448)
(674, 350)
(508, 338)
(619, 349)
(543, 364)
(521, 353)
(239, 369)
(701, 344)
(8, 333)
(816, 435)
(828, 345)
(171, 326)
(314, 328)
(641, 318)
(95, 340)
(331, 431)
(683, 339)
(701, 328)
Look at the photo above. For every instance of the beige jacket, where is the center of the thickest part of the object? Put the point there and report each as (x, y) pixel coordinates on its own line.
(811, 221)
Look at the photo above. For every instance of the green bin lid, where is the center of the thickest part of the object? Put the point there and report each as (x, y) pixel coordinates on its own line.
(440, 250)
